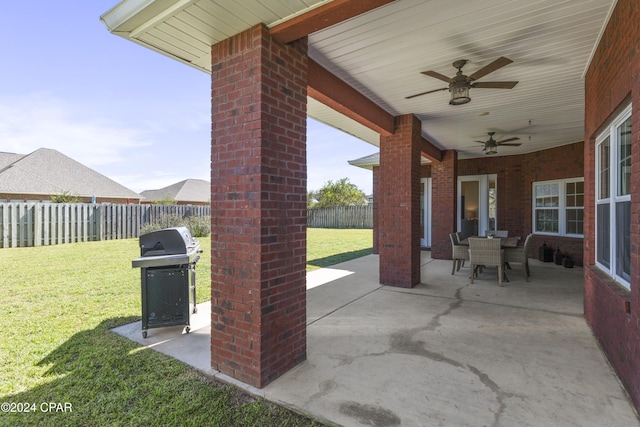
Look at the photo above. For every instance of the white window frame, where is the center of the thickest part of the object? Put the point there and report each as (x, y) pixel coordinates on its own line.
(613, 199)
(562, 207)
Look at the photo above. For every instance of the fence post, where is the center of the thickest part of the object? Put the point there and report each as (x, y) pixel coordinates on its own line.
(5, 225)
(100, 222)
(37, 224)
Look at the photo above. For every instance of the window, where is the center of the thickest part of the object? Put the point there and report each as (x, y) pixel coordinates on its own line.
(558, 207)
(613, 199)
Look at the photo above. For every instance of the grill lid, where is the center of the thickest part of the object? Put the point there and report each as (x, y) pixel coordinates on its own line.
(167, 247)
(169, 241)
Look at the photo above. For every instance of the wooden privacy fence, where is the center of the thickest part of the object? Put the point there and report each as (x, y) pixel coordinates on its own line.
(341, 217)
(41, 224)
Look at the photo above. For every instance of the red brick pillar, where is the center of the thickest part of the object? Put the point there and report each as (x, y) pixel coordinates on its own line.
(399, 204)
(258, 206)
(444, 203)
(374, 209)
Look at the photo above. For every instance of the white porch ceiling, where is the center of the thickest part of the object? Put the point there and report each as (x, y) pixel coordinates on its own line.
(382, 53)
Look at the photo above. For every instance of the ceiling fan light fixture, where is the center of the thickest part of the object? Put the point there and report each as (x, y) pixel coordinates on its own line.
(492, 149)
(459, 94)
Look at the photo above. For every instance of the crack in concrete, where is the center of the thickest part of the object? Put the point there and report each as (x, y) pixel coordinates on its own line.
(403, 342)
(435, 322)
(495, 388)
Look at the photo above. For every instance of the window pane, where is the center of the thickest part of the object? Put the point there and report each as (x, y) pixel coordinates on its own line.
(547, 220)
(603, 249)
(624, 158)
(603, 169)
(547, 195)
(575, 221)
(571, 187)
(623, 240)
(574, 194)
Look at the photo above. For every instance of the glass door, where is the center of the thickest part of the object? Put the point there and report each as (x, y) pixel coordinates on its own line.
(477, 203)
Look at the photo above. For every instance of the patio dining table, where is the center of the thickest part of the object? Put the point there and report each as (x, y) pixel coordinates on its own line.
(505, 242)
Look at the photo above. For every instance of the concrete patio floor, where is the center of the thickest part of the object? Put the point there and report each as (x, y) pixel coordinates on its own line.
(445, 353)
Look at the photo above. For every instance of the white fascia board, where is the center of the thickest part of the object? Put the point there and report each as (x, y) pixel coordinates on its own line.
(128, 15)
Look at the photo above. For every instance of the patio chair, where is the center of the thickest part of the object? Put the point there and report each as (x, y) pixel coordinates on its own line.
(520, 254)
(460, 252)
(486, 252)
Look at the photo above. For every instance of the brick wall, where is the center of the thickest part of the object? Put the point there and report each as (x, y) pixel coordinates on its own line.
(444, 204)
(612, 80)
(258, 206)
(515, 175)
(47, 198)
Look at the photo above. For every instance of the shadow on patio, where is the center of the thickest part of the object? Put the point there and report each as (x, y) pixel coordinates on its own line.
(443, 353)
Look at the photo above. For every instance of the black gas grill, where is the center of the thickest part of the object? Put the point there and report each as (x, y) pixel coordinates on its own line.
(167, 261)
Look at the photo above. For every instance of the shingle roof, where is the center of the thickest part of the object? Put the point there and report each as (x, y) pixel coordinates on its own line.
(47, 171)
(189, 190)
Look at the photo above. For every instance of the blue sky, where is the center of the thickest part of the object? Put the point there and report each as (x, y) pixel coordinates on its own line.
(125, 111)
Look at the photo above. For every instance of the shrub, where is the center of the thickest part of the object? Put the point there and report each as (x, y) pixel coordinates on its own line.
(198, 226)
(65, 197)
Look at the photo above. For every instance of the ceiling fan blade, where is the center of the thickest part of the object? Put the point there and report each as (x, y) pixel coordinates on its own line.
(481, 142)
(424, 93)
(437, 76)
(494, 85)
(515, 138)
(510, 145)
(498, 63)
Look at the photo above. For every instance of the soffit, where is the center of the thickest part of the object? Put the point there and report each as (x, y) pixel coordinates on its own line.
(186, 29)
(382, 53)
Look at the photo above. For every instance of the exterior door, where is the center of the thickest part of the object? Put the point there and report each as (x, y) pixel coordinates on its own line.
(476, 204)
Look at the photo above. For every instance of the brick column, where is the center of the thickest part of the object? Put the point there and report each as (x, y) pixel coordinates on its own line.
(375, 208)
(444, 203)
(258, 206)
(399, 205)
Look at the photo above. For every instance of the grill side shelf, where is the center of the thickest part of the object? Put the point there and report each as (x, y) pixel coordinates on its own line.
(159, 261)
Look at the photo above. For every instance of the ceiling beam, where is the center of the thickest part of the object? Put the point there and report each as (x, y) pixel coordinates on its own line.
(325, 87)
(430, 151)
(322, 17)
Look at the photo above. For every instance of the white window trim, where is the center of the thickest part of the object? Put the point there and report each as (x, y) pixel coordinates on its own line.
(613, 199)
(562, 207)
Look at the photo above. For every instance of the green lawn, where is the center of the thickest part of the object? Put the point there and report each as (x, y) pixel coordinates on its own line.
(59, 303)
(331, 246)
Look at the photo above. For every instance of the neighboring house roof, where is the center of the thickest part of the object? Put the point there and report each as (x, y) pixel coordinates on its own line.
(368, 162)
(47, 171)
(189, 190)
(7, 158)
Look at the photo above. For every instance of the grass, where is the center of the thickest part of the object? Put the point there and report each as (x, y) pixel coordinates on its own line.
(58, 306)
(332, 246)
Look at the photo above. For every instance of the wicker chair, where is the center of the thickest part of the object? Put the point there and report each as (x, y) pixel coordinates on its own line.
(486, 252)
(520, 254)
(460, 252)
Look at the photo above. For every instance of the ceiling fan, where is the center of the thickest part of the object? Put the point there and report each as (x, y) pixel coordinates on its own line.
(460, 84)
(491, 145)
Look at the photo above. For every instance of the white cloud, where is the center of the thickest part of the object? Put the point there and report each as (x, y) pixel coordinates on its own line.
(40, 120)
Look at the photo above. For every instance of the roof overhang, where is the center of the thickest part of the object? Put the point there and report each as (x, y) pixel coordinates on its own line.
(376, 51)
